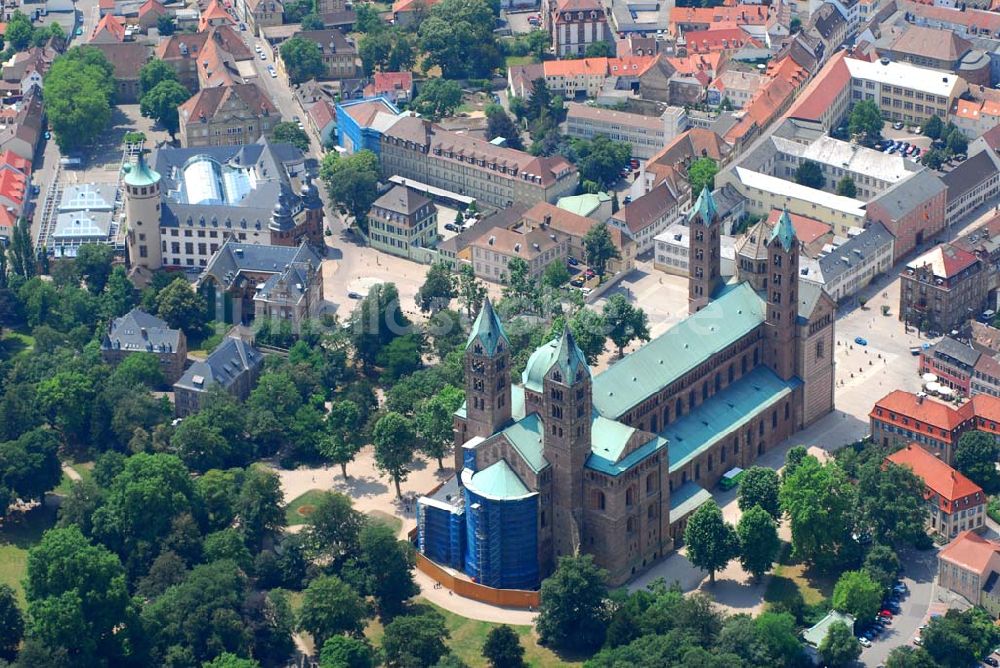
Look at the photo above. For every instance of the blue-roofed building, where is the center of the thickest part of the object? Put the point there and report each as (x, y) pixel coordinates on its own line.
(614, 464)
(360, 123)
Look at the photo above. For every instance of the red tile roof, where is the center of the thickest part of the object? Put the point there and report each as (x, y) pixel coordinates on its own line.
(322, 113)
(945, 261)
(971, 551)
(807, 229)
(819, 95)
(388, 82)
(700, 41)
(13, 185)
(944, 481)
(12, 159)
(112, 24)
(929, 412)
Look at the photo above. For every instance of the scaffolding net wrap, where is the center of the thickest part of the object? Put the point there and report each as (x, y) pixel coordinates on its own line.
(502, 541)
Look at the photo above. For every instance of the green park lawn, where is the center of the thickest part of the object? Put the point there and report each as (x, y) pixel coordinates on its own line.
(301, 506)
(14, 342)
(18, 534)
(794, 584)
(86, 471)
(521, 60)
(468, 635)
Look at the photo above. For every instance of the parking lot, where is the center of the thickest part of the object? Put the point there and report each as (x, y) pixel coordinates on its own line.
(518, 22)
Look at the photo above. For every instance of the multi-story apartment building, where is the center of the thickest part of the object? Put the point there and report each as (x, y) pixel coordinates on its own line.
(140, 332)
(227, 115)
(970, 567)
(234, 365)
(902, 91)
(972, 184)
(644, 218)
(416, 149)
(207, 59)
(401, 220)
(913, 210)
(575, 25)
(942, 289)
(583, 77)
(900, 418)
(340, 55)
(953, 362)
(492, 252)
(955, 503)
(550, 217)
(852, 266)
(645, 134)
(260, 14)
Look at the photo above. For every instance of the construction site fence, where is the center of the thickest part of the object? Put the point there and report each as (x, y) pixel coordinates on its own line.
(508, 598)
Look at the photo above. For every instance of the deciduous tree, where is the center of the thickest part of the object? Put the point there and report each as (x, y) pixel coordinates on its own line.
(331, 607)
(346, 652)
(839, 648)
(600, 248)
(153, 72)
(759, 543)
(572, 612)
(182, 307)
(820, 501)
(394, 438)
(810, 175)
(386, 566)
(759, 486)
(976, 456)
(303, 59)
(866, 120)
(624, 323)
(415, 640)
(857, 594)
(438, 289)
(288, 132)
(711, 543)
(702, 173)
(11, 623)
(503, 648)
(438, 98)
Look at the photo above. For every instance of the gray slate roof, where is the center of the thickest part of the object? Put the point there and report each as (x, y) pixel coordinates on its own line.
(235, 257)
(958, 351)
(274, 165)
(224, 365)
(902, 197)
(854, 250)
(139, 331)
(969, 174)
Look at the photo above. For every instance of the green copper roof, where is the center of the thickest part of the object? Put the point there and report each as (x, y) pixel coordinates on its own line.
(141, 174)
(562, 351)
(498, 481)
(640, 375)
(686, 499)
(598, 462)
(526, 437)
(784, 231)
(487, 329)
(583, 205)
(815, 635)
(704, 208)
(724, 414)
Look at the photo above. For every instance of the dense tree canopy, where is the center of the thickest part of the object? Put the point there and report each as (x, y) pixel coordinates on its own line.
(79, 92)
(976, 457)
(572, 611)
(303, 59)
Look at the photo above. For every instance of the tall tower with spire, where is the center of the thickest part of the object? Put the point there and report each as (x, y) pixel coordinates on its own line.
(487, 380)
(781, 326)
(567, 402)
(704, 251)
(142, 214)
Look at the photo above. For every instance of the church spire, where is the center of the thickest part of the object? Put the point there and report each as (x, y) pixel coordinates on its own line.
(487, 329)
(569, 357)
(705, 208)
(784, 232)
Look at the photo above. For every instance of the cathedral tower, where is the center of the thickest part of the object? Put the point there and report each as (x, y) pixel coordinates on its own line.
(567, 402)
(487, 379)
(781, 326)
(142, 215)
(704, 252)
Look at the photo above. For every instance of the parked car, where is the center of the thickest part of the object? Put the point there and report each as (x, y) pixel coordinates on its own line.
(48, 135)
(865, 642)
(861, 341)
(577, 282)
(355, 295)
(258, 48)
(263, 56)
(451, 227)
(885, 614)
(897, 125)
(990, 661)
(627, 199)
(589, 273)
(572, 261)
(586, 291)
(917, 640)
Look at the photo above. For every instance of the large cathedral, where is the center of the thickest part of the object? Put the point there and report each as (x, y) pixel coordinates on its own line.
(614, 464)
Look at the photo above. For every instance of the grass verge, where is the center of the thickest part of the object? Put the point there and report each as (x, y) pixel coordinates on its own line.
(18, 534)
(301, 506)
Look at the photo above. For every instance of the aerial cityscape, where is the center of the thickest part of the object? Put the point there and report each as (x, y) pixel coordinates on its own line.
(500, 333)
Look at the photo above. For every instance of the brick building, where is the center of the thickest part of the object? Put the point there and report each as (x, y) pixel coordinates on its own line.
(942, 289)
(614, 464)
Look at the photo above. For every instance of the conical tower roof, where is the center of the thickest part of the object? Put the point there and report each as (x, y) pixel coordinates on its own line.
(141, 174)
(569, 357)
(784, 232)
(704, 208)
(487, 329)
